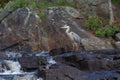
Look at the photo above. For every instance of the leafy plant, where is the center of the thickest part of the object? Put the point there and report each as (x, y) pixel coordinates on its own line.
(108, 31)
(93, 23)
(41, 15)
(99, 32)
(19, 3)
(116, 1)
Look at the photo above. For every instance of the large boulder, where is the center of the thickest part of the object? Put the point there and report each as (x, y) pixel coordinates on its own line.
(19, 28)
(71, 73)
(91, 60)
(26, 77)
(96, 44)
(62, 73)
(29, 63)
(57, 17)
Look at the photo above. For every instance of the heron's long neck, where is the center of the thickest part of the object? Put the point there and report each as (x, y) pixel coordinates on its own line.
(67, 30)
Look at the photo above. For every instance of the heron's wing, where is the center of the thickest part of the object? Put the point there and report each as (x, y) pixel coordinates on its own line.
(75, 36)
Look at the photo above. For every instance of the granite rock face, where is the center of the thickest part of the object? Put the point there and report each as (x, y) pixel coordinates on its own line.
(93, 7)
(96, 44)
(18, 27)
(60, 16)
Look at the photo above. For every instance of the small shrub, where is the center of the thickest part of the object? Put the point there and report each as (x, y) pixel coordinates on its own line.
(116, 1)
(100, 32)
(108, 31)
(93, 23)
(19, 4)
(42, 15)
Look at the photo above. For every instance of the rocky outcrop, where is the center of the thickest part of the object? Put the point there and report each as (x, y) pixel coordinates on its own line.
(71, 73)
(96, 44)
(84, 65)
(93, 7)
(91, 60)
(79, 65)
(18, 27)
(29, 63)
(21, 30)
(59, 16)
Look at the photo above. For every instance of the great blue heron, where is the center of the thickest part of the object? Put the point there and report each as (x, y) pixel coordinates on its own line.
(73, 36)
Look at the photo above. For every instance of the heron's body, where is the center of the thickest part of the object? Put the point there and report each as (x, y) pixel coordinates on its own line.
(73, 36)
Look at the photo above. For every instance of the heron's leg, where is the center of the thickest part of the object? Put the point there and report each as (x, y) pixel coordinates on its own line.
(75, 46)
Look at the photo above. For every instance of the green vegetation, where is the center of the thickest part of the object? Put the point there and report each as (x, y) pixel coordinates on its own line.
(108, 31)
(116, 1)
(3, 2)
(96, 25)
(93, 23)
(40, 6)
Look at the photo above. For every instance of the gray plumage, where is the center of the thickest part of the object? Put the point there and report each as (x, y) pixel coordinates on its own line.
(72, 35)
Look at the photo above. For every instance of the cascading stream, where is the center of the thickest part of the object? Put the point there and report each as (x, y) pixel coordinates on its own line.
(12, 68)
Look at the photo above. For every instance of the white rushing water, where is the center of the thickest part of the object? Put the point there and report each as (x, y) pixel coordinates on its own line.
(13, 68)
(50, 62)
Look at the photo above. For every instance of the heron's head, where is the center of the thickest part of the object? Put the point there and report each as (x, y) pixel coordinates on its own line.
(65, 26)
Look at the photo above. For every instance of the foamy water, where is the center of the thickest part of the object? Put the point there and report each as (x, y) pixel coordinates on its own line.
(15, 67)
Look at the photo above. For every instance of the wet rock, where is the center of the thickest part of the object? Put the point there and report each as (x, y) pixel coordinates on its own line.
(84, 64)
(58, 51)
(96, 65)
(3, 56)
(71, 73)
(91, 60)
(112, 78)
(62, 73)
(26, 77)
(29, 63)
(2, 79)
